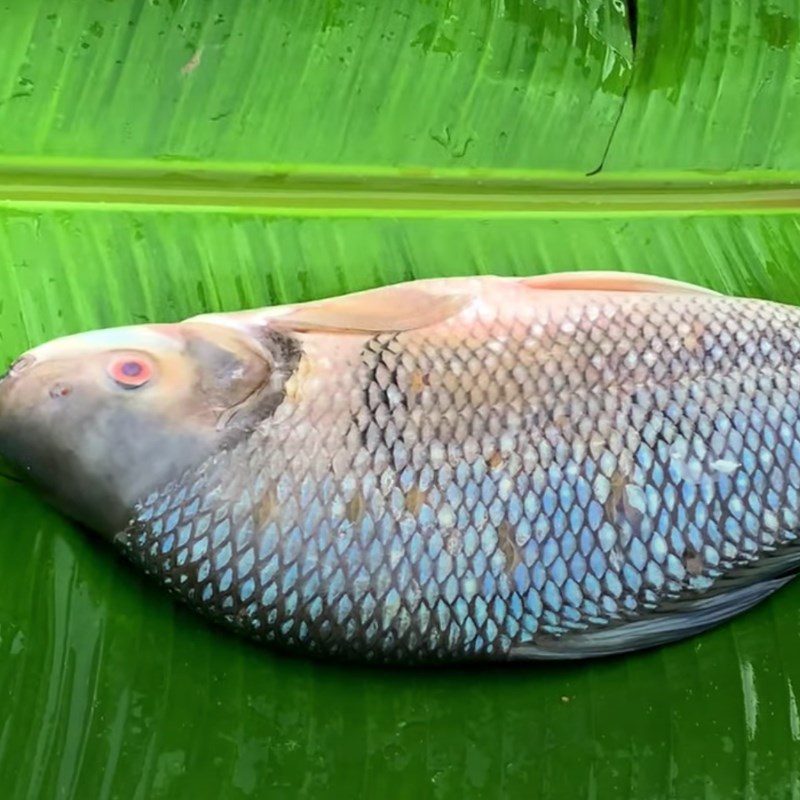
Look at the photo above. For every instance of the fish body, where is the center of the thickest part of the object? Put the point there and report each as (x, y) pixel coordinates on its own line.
(458, 469)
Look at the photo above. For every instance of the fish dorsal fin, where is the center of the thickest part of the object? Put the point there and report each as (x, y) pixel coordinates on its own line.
(392, 308)
(612, 282)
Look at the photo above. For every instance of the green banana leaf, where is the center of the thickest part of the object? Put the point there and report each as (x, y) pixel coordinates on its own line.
(162, 158)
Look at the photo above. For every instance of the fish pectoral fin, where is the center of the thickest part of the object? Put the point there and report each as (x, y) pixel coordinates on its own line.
(392, 308)
(611, 282)
(685, 619)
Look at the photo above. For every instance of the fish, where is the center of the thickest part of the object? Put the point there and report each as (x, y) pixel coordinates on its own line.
(484, 468)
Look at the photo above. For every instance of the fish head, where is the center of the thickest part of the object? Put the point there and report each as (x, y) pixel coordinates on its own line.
(99, 420)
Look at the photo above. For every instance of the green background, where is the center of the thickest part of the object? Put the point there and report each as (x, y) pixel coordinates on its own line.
(163, 158)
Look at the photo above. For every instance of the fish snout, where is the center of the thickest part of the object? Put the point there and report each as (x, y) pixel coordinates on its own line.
(17, 366)
(10, 467)
(9, 381)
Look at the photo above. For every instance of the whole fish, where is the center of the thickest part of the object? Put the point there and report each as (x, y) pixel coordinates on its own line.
(455, 469)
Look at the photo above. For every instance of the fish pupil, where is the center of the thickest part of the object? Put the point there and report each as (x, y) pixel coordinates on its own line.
(131, 369)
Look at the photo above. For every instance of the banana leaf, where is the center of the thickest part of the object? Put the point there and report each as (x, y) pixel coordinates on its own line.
(163, 158)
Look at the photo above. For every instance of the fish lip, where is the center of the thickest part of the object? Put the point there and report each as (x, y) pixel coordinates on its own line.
(19, 364)
(12, 467)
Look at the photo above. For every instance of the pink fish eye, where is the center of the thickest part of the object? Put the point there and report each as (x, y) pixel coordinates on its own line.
(131, 372)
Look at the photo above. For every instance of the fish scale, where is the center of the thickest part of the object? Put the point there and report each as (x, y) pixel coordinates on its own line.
(555, 476)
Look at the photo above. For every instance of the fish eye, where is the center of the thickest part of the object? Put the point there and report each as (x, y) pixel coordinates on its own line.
(130, 371)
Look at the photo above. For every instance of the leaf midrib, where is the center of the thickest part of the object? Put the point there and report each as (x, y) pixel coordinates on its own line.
(328, 190)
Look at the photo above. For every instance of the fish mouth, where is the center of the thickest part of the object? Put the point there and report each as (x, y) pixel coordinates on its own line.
(17, 366)
(9, 469)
